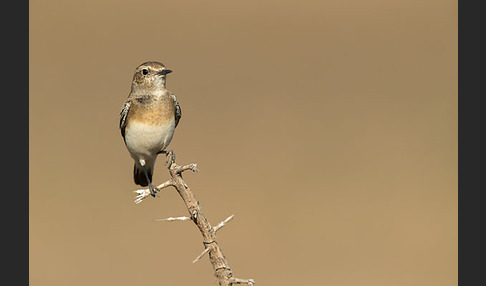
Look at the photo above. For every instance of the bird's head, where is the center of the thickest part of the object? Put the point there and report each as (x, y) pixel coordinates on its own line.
(150, 76)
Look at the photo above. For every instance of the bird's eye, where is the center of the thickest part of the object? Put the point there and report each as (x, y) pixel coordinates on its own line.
(145, 71)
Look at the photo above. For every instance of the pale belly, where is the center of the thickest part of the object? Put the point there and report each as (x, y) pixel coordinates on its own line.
(144, 141)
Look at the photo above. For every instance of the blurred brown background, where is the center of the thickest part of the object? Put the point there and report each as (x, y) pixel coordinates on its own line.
(328, 127)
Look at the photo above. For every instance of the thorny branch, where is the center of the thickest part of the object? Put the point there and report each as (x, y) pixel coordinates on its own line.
(221, 267)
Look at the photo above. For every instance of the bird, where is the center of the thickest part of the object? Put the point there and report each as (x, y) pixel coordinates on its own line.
(148, 119)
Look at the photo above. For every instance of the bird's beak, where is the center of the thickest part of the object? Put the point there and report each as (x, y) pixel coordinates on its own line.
(164, 72)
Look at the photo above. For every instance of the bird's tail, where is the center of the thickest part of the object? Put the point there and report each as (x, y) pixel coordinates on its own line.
(139, 175)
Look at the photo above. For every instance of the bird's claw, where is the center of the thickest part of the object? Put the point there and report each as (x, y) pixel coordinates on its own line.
(153, 190)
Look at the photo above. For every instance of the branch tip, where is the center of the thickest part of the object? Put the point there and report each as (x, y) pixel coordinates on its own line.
(192, 167)
(144, 193)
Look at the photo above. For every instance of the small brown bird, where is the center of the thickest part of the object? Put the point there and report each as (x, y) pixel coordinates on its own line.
(148, 119)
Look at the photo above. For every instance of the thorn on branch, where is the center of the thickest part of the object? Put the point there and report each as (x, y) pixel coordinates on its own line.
(223, 223)
(235, 280)
(179, 218)
(201, 255)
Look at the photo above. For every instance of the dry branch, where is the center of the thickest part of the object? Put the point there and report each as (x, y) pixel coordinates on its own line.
(221, 267)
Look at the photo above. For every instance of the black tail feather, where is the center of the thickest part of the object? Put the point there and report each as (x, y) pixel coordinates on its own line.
(139, 175)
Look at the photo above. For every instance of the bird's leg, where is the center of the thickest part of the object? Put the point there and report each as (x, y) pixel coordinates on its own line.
(167, 154)
(153, 189)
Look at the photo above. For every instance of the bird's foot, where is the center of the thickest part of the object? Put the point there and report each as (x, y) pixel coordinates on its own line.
(153, 190)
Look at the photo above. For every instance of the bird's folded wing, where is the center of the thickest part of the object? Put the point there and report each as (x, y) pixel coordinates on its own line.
(123, 116)
(178, 111)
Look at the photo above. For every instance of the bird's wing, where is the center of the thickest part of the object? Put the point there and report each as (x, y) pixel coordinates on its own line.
(124, 115)
(178, 111)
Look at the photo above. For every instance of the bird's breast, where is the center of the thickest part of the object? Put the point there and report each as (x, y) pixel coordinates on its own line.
(143, 138)
(155, 112)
